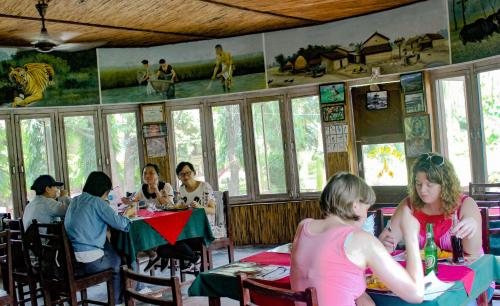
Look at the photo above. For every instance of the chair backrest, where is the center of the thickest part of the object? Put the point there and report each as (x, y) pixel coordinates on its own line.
(6, 258)
(21, 262)
(379, 221)
(56, 255)
(223, 210)
(248, 286)
(484, 191)
(130, 294)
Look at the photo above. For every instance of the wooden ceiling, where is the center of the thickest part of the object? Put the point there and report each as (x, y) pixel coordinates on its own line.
(135, 23)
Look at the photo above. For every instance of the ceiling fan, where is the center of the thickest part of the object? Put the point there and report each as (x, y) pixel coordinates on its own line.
(43, 42)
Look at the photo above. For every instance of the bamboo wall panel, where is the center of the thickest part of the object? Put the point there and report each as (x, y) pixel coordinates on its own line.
(270, 223)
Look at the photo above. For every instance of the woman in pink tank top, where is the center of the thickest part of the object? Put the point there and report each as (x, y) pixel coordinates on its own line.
(434, 197)
(332, 254)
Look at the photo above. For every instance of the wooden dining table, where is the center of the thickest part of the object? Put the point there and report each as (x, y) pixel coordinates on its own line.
(151, 229)
(215, 285)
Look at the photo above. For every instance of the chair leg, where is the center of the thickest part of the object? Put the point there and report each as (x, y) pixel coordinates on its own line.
(172, 267)
(230, 250)
(32, 287)
(209, 259)
(73, 300)
(47, 297)
(83, 294)
(111, 295)
(20, 294)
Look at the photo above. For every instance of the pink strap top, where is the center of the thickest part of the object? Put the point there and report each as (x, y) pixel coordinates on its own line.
(319, 260)
(441, 226)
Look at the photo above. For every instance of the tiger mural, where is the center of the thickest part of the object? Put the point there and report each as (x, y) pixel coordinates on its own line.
(32, 79)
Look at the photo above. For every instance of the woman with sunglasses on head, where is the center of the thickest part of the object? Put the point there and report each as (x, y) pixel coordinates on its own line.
(435, 197)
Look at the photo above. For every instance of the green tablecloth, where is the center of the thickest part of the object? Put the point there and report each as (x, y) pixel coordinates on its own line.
(487, 269)
(141, 236)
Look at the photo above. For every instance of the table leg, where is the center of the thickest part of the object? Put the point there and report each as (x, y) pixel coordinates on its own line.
(214, 301)
(482, 299)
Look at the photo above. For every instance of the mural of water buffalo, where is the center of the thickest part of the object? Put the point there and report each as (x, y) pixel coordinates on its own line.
(481, 28)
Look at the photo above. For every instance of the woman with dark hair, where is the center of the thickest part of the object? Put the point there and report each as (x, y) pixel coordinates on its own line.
(86, 221)
(154, 192)
(332, 254)
(198, 194)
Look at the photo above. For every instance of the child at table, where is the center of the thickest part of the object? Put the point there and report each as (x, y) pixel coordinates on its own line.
(332, 254)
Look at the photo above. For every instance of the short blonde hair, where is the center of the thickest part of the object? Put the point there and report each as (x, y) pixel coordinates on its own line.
(340, 193)
(442, 174)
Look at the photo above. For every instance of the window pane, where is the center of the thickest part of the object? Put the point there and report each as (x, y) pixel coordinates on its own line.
(490, 100)
(38, 155)
(187, 134)
(80, 150)
(308, 143)
(269, 147)
(229, 149)
(385, 164)
(124, 152)
(5, 183)
(452, 93)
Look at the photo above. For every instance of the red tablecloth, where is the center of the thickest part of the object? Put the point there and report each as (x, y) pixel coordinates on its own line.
(446, 273)
(175, 220)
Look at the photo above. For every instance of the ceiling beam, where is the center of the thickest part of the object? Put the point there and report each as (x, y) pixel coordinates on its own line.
(242, 8)
(105, 26)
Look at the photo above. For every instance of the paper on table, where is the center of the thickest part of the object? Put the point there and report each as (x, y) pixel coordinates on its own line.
(253, 270)
(434, 287)
(285, 248)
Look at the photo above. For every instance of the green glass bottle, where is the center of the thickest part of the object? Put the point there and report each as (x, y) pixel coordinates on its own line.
(431, 251)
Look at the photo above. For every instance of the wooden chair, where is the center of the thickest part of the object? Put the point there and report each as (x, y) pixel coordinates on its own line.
(248, 286)
(486, 232)
(59, 277)
(481, 192)
(379, 221)
(224, 242)
(130, 294)
(6, 297)
(23, 272)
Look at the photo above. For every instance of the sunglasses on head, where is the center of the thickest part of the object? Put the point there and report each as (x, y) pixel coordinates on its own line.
(436, 160)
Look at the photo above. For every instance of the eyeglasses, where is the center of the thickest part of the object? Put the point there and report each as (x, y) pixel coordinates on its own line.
(436, 160)
(182, 174)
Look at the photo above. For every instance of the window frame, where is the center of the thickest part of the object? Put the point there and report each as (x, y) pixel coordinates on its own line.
(257, 195)
(126, 109)
(297, 194)
(246, 155)
(13, 164)
(93, 112)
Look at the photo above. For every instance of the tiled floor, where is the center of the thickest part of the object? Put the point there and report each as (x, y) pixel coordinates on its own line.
(220, 258)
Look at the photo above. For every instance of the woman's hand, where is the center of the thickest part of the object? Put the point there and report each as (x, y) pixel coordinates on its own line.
(388, 240)
(195, 204)
(126, 201)
(465, 229)
(365, 300)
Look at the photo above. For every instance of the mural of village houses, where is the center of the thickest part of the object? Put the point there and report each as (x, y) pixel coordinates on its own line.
(474, 29)
(416, 39)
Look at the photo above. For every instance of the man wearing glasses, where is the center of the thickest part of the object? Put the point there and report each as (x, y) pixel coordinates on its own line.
(50, 202)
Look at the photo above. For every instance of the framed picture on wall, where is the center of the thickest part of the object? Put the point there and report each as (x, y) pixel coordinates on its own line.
(332, 93)
(417, 135)
(376, 100)
(332, 113)
(156, 147)
(154, 130)
(414, 102)
(412, 82)
(153, 113)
